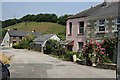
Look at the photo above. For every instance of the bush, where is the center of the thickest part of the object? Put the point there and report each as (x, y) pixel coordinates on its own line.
(17, 46)
(51, 47)
(109, 44)
(24, 43)
(68, 56)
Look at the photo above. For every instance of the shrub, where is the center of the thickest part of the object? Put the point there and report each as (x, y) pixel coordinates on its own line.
(24, 43)
(109, 44)
(95, 52)
(51, 47)
(68, 56)
(17, 46)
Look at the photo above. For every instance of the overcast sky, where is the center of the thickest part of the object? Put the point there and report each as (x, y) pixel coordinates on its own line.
(19, 9)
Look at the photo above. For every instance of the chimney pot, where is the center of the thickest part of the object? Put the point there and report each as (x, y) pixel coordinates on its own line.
(33, 30)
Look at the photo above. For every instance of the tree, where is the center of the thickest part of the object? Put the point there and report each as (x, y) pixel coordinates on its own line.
(51, 47)
(25, 42)
(62, 19)
(37, 18)
(3, 32)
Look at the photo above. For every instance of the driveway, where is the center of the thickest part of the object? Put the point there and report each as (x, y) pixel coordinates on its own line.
(31, 64)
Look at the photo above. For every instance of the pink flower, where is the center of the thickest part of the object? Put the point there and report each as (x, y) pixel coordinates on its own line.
(95, 41)
(103, 49)
(96, 49)
(91, 39)
(90, 42)
(101, 52)
(98, 45)
(102, 41)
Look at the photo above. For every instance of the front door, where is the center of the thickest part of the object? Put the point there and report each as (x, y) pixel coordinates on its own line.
(69, 47)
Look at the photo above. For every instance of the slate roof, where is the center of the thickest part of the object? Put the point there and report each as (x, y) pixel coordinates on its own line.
(17, 33)
(43, 38)
(99, 10)
(106, 12)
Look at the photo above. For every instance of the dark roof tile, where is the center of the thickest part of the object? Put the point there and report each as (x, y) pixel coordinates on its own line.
(43, 38)
(99, 10)
(22, 33)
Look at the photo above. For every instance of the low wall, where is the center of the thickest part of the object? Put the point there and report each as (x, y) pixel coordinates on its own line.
(107, 66)
(36, 47)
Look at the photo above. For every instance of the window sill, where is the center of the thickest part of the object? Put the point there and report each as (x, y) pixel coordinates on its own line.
(80, 34)
(101, 32)
(114, 30)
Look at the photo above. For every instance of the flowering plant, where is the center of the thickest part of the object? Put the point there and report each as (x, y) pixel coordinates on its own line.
(95, 51)
(109, 43)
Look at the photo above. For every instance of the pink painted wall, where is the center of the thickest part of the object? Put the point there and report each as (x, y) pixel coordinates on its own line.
(75, 31)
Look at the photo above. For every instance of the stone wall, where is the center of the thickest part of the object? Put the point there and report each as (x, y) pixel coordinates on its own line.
(107, 66)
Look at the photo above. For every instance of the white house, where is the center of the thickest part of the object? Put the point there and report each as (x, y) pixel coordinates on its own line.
(41, 40)
(14, 36)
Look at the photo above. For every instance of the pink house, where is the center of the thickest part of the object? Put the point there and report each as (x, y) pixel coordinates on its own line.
(97, 22)
(75, 33)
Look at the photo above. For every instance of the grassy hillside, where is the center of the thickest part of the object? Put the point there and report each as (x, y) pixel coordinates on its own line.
(42, 27)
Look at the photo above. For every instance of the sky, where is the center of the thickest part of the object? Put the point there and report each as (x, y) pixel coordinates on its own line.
(19, 9)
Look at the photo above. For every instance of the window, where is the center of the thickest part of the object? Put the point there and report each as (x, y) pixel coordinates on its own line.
(81, 27)
(14, 42)
(69, 48)
(101, 25)
(117, 23)
(101, 28)
(20, 37)
(70, 28)
(118, 27)
(80, 44)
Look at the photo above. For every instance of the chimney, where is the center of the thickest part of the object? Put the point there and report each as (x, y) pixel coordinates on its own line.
(33, 30)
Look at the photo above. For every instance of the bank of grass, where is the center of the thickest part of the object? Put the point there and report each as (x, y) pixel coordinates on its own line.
(42, 27)
(5, 58)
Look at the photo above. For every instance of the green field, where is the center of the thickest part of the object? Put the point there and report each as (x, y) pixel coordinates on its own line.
(42, 27)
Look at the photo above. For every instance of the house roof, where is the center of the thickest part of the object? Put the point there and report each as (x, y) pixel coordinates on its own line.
(22, 33)
(111, 10)
(43, 38)
(86, 12)
(67, 42)
(104, 8)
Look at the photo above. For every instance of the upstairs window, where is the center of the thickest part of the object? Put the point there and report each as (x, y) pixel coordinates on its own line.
(70, 28)
(101, 25)
(81, 27)
(118, 23)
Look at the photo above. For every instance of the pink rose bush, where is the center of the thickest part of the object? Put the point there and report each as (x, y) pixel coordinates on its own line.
(95, 51)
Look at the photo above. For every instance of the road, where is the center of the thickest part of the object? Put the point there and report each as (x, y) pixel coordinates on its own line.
(32, 64)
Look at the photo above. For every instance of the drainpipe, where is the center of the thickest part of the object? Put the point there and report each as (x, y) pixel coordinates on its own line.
(118, 56)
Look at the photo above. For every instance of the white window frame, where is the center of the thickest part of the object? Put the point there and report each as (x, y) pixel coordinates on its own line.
(116, 24)
(82, 27)
(101, 25)
(70, 32)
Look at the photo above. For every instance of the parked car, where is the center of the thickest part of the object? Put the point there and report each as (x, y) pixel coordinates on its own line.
(5, 73)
